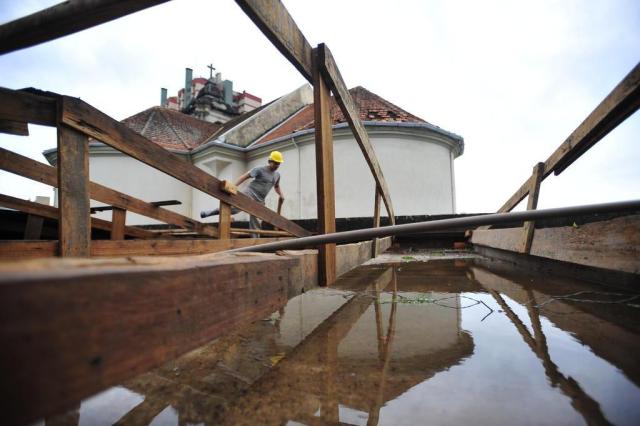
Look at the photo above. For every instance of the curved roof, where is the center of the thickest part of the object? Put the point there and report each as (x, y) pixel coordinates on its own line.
(371, 107)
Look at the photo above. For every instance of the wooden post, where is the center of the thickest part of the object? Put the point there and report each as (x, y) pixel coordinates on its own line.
(118, 220)
(376, 222)
(74, 226)
(224, 226)
(532, 204)
(324, 174)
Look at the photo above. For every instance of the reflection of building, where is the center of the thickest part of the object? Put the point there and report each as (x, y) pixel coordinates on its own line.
(354, 355)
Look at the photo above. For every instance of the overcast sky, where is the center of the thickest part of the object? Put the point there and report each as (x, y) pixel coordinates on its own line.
(514, 78)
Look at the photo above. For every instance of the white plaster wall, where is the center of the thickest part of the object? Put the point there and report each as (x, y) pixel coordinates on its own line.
(135, 178)
(418, 172)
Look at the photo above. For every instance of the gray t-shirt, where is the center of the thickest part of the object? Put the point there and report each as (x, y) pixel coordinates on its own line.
(263, 180)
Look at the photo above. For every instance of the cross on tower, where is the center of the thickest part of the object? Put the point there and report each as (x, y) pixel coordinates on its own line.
(211, 68)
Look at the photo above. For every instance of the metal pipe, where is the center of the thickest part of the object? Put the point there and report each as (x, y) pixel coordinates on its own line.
(439, 225)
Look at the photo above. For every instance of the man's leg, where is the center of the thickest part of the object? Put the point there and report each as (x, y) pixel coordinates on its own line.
(214, 212)
(254, 223)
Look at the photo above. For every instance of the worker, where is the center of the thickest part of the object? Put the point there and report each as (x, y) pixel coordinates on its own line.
(264, 178)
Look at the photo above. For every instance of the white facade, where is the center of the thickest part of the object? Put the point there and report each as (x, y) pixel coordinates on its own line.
(416, 159)
(416, 162)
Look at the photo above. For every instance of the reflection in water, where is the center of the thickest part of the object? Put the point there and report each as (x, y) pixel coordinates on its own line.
(393, 345)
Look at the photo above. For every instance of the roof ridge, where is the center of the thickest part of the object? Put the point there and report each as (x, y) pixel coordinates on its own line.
(149, 119)
(384, 101)
(164, 117)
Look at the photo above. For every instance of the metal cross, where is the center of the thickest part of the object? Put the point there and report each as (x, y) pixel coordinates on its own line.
(211, 68)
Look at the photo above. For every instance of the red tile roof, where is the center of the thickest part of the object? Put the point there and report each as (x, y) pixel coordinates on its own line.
(171, 129)
(371, 107)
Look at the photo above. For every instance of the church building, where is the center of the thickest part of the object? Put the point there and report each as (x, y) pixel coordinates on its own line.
(226, 133)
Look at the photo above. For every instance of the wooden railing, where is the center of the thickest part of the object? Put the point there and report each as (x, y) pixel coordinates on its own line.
(621, 103)
(76, 120)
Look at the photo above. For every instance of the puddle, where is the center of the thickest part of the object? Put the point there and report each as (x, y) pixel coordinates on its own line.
(464, 341)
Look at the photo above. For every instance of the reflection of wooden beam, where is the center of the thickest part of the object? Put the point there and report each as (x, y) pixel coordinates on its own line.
(31, 169)
(324, 175)
(71, 328)
(63, 19)
(580, 400)
(276, 23)
(277, 386)
(85, 118)
(351, 113)
(623, 101)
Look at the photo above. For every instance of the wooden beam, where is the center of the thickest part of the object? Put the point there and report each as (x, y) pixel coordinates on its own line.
(345, 102)
(376, 222)
(63, 19)
(46, 174)
(324, 175)
(74, 224)
(118, 220)
(265, 232)
(224, 226)
(85, 118)
(276, 23)
(12, 250)
(623, 101)
(532, 204)
(49, 212)
(23, 107)
(18, 128)
(67, 332)
(612, 244)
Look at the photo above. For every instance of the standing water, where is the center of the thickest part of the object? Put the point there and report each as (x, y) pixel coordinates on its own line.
(465, 341)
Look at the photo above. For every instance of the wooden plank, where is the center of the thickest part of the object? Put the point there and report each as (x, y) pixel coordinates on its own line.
(324, 176)
(224, 226)
(46, 174)
(67, 332)
(33, 228)
(376, 222)
(49, 212)
(24, 107)
(74, 224)
(12, 250)
(265, 232)
(18, 128)
(63, 19)
(85, 118)
(345, 102)
(276, 23)
(612, 244)
(623, 101)
(532, 204)
(118, 220)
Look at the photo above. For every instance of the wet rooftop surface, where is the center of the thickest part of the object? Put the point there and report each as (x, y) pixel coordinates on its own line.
(447, 341)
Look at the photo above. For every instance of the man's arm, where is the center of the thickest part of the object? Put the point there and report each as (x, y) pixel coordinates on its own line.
(242, 178)
(278, 190)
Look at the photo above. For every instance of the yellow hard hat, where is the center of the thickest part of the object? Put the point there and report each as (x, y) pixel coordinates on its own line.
(276, 156)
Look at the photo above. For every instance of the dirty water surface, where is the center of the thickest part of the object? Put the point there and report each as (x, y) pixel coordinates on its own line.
(444, 342)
